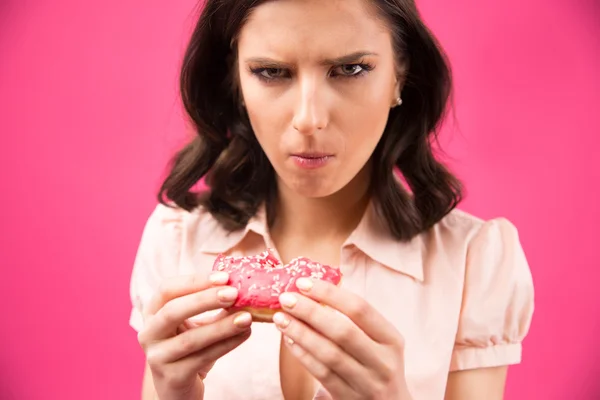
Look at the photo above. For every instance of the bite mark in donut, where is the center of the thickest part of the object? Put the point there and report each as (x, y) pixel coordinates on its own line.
(261, 278)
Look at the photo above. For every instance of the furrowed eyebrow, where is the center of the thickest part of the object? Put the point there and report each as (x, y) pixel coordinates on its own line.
(267, 62)
(347, 59)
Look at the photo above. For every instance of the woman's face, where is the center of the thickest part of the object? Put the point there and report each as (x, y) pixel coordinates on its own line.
(318, 80)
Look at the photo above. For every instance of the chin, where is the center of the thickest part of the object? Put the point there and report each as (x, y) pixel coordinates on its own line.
(312, 193)
(313, 187)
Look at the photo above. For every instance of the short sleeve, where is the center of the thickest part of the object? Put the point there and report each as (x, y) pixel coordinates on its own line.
(157, 258)
(498, 300)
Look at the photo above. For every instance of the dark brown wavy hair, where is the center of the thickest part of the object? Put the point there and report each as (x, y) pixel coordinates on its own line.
(237, 172)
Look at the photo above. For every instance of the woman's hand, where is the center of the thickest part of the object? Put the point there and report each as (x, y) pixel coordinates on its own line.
(349, 347)
(180, 353)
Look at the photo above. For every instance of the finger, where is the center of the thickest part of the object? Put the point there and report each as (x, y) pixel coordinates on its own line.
(198, 339)
(208, 317)
(197, 363)
(323, 394)
(199, 360)
(182, 285)
(185, 326)
(203, 319)
(334, 326)
(366, 317)
(165, 322)
(329, 379)
(323, 350)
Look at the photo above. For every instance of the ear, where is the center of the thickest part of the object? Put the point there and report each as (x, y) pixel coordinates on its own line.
(397, 93)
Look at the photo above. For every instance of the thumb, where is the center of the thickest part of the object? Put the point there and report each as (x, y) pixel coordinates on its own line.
(322, 394)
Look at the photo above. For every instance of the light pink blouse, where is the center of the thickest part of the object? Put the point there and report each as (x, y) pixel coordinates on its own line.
(461, 294)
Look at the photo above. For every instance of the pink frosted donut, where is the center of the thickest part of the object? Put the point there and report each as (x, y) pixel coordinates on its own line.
(260, 279)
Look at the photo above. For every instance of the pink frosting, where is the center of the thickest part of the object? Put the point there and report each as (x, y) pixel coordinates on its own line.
(262, 278)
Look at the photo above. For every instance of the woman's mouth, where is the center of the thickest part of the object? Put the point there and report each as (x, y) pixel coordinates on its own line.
(311, 160)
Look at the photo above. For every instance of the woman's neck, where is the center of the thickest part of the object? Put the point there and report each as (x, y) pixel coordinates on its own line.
(331, 218)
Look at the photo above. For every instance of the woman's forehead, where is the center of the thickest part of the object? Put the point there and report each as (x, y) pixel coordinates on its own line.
(325, 28)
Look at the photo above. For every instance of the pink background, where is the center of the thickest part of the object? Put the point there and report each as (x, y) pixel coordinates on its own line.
(89, 116)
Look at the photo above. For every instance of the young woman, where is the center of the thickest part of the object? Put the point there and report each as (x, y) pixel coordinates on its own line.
(314, 124)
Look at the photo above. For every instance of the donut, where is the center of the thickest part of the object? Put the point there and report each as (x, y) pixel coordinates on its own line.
(261, 278)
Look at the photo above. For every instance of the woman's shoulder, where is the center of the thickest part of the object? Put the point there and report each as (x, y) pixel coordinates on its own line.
(166, 214)
(170, 238)
(469, 242)
(496, 286)
(171, 225)
(480, 249)
(460, 226)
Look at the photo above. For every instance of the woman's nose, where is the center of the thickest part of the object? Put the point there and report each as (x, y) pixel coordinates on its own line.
(310, 114)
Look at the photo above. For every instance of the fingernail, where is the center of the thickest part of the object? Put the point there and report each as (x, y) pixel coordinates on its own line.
(219, 278)
(304, 284)
(288, 300)
(243, 320)
(227, 294)
(289, 341)
(281, 320)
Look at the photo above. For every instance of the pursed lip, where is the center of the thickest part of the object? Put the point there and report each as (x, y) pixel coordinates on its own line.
(311, 160)
(311, 155)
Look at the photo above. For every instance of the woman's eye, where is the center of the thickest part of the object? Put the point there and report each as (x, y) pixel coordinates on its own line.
(272, 73)
(349, 70)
